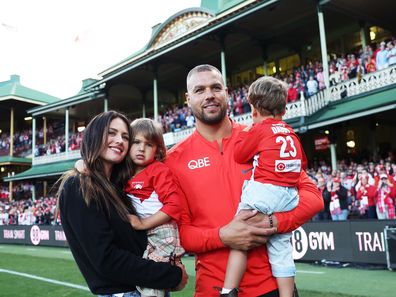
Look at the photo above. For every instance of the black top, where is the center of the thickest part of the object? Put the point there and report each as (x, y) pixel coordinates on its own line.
(342, 194)
(107, 249)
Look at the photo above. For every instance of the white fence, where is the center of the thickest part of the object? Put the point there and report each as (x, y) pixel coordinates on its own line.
(56, 157)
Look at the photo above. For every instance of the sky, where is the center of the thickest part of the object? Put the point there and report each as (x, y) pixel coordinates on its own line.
(54, 44)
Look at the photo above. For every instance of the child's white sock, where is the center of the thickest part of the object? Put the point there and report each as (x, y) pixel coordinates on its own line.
(225, 291)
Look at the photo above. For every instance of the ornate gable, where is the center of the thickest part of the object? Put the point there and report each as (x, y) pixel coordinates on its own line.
(184, 22)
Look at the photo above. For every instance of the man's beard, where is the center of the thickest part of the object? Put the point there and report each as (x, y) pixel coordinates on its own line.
(212, 119)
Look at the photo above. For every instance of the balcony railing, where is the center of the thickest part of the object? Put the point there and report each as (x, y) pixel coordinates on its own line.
(70, 155)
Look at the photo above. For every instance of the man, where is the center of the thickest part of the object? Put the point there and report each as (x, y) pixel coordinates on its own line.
(324, 214)
(338, 200)
(381, 60)
(212, 182)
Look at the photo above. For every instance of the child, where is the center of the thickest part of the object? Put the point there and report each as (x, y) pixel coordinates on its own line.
(154, 195)
(278, 161)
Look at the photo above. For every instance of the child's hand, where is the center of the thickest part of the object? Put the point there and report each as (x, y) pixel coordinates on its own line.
(80, 166)
(136, 222)
(248, 128)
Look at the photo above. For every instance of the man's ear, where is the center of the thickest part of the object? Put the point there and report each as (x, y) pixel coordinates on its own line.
(187, 99)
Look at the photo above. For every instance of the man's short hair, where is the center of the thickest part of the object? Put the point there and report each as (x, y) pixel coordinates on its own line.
(268, 95)
(203, 68)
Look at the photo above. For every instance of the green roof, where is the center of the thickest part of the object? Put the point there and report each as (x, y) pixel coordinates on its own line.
(40, 171)
(12, 89)
(8, 160)
(357, 106)
(219, 5)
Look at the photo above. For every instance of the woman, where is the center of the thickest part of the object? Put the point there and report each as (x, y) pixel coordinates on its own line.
(94, 210)
(366, 197)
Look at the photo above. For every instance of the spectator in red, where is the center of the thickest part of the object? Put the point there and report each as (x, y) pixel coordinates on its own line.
(366, 195)
(292, 93)
(385, 198)
(370, 65)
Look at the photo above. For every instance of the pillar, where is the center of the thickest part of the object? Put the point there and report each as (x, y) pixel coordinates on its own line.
(45, 186)
(67, 131)
(333, 156)
(12, 132)
(155, 95)
(10, 197)
(223, 67)
(323, 46)
(33, 135)
(144, 107)
(45, 130)
(105, 105)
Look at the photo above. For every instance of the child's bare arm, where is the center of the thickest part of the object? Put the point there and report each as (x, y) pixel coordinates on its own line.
(152, 221)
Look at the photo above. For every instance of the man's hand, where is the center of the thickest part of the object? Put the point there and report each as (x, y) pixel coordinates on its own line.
(184, 278)
(247, 230)
(136, 222)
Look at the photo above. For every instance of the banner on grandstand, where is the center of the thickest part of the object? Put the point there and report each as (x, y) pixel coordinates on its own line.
(344, 241)
(33, 235)
(322, 143)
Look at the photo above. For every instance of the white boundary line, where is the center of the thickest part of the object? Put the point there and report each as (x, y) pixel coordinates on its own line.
(311, 272)
(48, 280)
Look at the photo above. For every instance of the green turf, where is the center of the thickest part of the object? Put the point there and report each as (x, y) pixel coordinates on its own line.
(58, 264)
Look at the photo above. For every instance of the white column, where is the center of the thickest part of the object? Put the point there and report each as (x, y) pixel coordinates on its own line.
(34, 192)
(323, 47)
(67, 131)
(12, 132)
(223, 66)
(144, 108)
(333, 156)
(33, 136)
(363, 37)
(105, 105)
(265, 66)
(10, 186)
(155, 95)
(45, 130)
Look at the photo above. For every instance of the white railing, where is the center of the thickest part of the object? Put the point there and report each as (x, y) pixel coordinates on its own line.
(368, 82)
(56, 157)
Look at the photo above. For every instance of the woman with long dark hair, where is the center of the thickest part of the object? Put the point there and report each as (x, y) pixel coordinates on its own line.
(94, 213)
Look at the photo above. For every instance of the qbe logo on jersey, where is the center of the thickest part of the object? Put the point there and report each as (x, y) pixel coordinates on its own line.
(287, 165)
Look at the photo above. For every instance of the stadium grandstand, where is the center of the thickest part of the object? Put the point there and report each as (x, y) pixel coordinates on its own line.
(338, 58)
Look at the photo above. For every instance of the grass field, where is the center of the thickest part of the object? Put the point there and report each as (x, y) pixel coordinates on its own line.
(57, 264)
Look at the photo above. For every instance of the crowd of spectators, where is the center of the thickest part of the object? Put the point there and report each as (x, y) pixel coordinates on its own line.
(23, 143)
(353, 191)
(58, 145)
(307, 79)
(28, 212)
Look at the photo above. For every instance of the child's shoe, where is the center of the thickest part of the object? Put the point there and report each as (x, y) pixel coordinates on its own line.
(232, 293)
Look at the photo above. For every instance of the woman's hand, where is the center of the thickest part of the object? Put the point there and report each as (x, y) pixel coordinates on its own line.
(184, 278)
